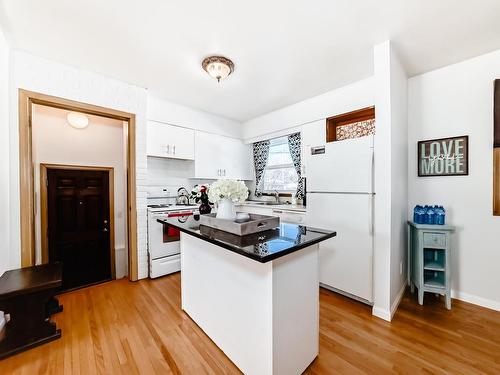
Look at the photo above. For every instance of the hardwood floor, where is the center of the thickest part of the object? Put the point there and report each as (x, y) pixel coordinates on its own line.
(132, 328)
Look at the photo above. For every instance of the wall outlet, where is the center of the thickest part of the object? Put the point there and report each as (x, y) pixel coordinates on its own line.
(401, 267)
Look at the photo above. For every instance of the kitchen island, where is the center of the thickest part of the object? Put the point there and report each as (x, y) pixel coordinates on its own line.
(255, 296)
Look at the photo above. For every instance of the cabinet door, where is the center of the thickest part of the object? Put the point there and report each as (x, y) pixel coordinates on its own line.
(208, 155)
(219, 157)
(288, 216)
(238, 160)
(313, 134)
(170, 141)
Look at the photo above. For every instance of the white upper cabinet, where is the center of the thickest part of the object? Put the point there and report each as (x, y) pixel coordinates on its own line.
(169, 141)
(219, 157)
(313, 134)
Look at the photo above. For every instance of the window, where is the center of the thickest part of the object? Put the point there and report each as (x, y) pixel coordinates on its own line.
(354, 124)
(280, 173)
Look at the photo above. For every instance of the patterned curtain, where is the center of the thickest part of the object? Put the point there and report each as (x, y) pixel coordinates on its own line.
(295, 149)
(260, 156)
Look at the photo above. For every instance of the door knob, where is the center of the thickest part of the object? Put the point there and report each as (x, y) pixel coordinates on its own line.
(105, 230)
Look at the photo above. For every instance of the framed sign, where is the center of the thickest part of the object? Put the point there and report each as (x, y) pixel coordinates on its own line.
(443, 157)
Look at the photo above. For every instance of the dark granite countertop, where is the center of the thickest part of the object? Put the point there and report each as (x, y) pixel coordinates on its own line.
(262, 247)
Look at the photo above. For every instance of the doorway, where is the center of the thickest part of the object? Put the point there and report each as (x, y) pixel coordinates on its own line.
(28, 210)
(77, 205)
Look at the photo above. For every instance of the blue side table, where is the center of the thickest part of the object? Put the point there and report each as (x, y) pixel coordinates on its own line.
(429, 260)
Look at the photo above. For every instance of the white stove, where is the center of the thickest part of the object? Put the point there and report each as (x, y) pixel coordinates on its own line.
(163, 242)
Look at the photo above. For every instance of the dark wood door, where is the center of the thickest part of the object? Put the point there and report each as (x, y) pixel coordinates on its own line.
(78, 225)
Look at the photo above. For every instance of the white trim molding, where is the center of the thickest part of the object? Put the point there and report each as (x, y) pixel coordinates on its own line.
(476, 300)
(397, 301)
(386, 314)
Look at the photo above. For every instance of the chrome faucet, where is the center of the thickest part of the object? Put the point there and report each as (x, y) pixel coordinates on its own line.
(277, 196)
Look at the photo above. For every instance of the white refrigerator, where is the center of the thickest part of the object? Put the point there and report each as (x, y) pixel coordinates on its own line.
(340, 197)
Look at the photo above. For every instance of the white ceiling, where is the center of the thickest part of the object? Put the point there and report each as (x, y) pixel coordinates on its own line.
(284, 50)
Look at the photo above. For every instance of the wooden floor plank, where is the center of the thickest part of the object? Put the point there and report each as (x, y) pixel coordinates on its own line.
(139, 328)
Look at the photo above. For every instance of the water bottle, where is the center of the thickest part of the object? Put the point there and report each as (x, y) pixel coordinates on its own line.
(416, 214)
(440, 215)
(430, 216)
(423, 219)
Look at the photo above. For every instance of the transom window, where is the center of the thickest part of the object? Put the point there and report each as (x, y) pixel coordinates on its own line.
(280, 173)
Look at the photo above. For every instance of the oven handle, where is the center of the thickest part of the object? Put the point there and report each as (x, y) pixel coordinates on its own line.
(177, 214)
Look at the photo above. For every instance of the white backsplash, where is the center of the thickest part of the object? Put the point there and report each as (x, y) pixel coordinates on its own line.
(172, 174)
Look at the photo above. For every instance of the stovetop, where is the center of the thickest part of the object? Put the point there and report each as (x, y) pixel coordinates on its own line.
(171, 207)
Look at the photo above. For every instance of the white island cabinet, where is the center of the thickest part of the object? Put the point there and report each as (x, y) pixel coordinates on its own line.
(257, 296)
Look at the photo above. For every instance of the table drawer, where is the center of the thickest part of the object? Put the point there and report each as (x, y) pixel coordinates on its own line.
(434, 239)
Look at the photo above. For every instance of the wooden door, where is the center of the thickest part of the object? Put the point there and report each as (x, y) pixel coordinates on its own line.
(79, 225)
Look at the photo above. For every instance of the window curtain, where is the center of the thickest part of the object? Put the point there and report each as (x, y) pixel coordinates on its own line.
(260, 157)
(295, 150)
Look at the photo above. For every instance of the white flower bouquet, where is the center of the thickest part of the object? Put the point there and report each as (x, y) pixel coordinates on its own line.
(233, 190)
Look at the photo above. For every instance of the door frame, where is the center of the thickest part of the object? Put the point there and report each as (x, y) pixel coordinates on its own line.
(26, 170)
(44, 211)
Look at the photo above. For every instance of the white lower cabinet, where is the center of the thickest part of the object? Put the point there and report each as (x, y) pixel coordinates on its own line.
(219, 157)
(164, 266)
(287, 216)
(295, 217)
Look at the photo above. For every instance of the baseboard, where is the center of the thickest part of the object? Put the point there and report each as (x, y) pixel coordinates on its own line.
(398, 299)
(381, 313)
(476, 300)
(389, 314)
(349, 295)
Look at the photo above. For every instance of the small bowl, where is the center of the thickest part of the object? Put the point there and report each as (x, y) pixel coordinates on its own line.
(242, 216)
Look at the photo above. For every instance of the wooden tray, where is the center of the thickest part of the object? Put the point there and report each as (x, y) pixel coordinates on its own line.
(255, 224)
(240, 241)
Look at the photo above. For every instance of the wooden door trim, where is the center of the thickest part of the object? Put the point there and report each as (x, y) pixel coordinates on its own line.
(44, 217)
(26, 171)
(496, 181)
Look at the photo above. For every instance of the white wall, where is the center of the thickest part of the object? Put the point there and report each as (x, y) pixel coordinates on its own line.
(175, 114)
(453, 101)
(44, 76)
(5, 261)
(382, 201)
(345, 99)
(391, 183)
(101, 144)
(399, 179)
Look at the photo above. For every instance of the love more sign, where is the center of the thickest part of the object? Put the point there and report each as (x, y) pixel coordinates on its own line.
(443, 157)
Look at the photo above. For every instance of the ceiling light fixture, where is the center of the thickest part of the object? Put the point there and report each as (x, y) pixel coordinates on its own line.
(218, 67)
(77, 120)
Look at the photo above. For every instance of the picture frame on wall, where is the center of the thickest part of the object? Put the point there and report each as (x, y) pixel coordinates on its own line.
(443, 157)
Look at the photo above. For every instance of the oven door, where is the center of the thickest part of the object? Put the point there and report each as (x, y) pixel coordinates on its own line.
(163, 240)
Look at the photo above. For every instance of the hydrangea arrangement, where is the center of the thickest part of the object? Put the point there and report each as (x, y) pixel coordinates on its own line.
(231, 189)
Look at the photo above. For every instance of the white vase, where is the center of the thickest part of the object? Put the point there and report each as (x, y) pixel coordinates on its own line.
(226, 209)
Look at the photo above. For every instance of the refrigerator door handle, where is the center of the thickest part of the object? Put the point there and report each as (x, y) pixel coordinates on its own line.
(370, 215)
(371, 181)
